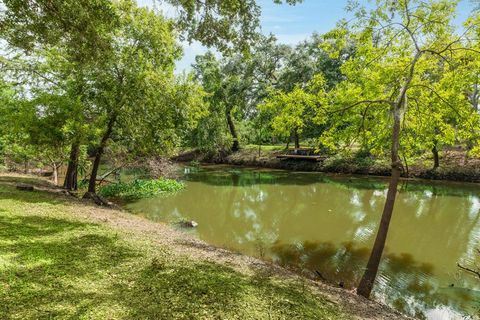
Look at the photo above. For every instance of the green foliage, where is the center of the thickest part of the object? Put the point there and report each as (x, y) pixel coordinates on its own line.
(140, 188)
(81, 26)
(212, 131)
(80, 66)
(125, 86)
(228, 25)
(218, 23)
(237, 85)
(309, 58)
(290, 112)
(399, 59)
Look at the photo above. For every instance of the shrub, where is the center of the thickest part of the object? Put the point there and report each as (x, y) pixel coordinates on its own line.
(138, 189)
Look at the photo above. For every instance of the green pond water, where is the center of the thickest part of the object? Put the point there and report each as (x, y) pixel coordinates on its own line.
(327, 223)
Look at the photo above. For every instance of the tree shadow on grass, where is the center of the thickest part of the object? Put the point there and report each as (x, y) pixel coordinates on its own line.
(184, 291)
(8, 191)
(25, 180)
(56, 268)
(14, 227)
(206, 290)
(47, 266)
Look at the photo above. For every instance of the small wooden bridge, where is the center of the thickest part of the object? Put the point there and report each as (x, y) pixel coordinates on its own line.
(301, 154)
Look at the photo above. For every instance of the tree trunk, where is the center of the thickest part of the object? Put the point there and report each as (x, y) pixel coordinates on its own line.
(436, 158)
(366, 283)
(407, 171)
(233, 132)
(297, 139)
(71, 176)
(98, 155)
(55, 173)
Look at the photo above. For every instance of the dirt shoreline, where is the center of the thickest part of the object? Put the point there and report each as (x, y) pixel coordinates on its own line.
(183, 244)
(449, 171)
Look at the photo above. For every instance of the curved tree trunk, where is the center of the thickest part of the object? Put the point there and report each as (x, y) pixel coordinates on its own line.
(407, 171)
(71, 176)
(288, 142)
(98, 155)
(436, 158)
(366, 283)
(233, 131)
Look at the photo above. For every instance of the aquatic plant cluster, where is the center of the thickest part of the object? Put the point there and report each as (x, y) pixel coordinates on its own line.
(138, 188)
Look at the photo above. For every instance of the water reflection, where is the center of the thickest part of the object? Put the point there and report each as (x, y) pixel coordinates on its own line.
(327, 223)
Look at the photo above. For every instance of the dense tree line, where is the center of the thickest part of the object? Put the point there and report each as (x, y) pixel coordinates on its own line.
(80, 78)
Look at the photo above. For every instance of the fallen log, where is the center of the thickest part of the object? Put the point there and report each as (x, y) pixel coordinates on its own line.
(25, 187)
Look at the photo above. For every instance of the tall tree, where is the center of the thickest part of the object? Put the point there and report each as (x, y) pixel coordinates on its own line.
(395, 45)
(223, 24)
(290, 112)
(79, 26)
(211, 132)
(79, 29)
(140, 62)
(309, 58)
(238, 83)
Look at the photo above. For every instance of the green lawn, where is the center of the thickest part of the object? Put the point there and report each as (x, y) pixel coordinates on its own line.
(57, 265)
(275, 147)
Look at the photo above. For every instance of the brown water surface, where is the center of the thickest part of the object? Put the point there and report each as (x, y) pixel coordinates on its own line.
(325, 223)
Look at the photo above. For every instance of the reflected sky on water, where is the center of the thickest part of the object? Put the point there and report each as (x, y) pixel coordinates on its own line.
(327, 223)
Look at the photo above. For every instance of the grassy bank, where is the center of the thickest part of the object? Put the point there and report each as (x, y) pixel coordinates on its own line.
(64, 258)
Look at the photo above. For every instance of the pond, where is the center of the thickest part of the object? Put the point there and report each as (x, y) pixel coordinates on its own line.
(327, 223)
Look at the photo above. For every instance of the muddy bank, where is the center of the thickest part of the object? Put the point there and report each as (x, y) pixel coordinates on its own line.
(453, 167)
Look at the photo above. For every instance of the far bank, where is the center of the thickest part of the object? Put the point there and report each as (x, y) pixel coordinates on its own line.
(454, 164)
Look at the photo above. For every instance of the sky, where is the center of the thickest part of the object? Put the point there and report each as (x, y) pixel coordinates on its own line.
(293, 24)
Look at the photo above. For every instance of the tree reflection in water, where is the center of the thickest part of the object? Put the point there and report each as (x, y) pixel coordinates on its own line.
(408, 285)
(312, 221)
